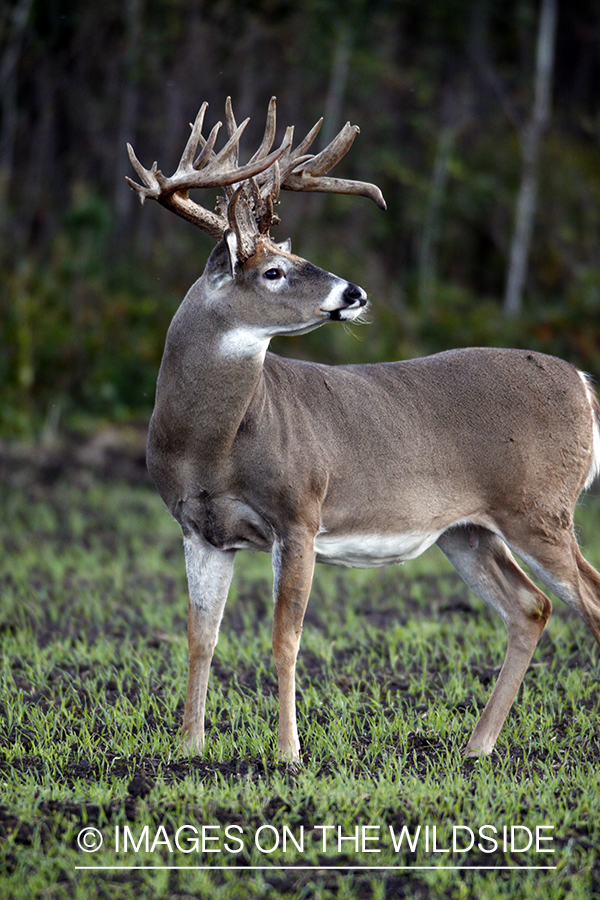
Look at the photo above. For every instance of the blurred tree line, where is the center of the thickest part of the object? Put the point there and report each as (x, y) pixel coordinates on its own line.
(443, 93)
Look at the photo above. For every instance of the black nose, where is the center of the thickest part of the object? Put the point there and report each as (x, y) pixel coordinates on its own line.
(354, 294)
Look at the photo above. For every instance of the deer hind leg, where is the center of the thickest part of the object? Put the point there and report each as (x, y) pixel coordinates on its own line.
(562, 567)
(485, 563)
(293, 567)
(589, 594)
(209, 573)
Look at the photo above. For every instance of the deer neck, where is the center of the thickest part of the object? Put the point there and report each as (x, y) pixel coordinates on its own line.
(210, 374)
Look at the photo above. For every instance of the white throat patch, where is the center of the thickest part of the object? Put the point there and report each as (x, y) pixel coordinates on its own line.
(244, 342)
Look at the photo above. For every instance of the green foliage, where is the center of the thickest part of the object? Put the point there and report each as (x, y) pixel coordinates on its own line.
(79, 333)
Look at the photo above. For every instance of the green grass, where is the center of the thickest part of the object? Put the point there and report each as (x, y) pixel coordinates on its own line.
(395, 665)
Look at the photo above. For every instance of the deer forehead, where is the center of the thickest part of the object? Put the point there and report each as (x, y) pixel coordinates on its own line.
(301, 270)
(267, 251)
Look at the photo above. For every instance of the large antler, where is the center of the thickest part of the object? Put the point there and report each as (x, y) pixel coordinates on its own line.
(250, 191)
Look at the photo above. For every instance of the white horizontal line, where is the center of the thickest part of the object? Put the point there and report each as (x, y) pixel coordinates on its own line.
(320, 868)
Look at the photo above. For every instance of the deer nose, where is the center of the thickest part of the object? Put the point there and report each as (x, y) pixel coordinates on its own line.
(354, 295)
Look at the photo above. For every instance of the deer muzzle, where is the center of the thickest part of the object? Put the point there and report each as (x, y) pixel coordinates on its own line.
(349, 303)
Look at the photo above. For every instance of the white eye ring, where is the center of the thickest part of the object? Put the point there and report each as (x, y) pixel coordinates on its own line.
(273, 274)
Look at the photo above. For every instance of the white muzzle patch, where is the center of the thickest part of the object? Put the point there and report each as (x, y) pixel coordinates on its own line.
(339, 306)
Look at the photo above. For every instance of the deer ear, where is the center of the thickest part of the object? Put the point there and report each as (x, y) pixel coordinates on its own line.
(221, 262)
(286, 245)
(232, 245)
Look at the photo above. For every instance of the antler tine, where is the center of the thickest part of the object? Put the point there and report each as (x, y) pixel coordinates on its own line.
(148, 176)
(226, 157)
(333, 152)
(308, 173)
(269, 135)
(187, 157)
(209, 145)
(231, 129)
(230, 153)
(326, 185)
(288, 161)
(269, 180)
(303, 146)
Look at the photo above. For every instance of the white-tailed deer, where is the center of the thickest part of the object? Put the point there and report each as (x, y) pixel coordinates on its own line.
(481, 451)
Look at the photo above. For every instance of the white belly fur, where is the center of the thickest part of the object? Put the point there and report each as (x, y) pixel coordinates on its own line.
(364, 551)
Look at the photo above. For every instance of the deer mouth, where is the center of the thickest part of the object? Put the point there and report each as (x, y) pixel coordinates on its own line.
(347, 303)
(346, 314)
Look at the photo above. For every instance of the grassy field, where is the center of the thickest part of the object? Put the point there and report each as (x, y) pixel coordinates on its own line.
(394, 666)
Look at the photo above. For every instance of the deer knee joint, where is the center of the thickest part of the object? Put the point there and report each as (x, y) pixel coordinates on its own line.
(535, 605)
(285, 650)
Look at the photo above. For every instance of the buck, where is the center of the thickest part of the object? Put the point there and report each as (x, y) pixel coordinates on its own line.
(480, 451)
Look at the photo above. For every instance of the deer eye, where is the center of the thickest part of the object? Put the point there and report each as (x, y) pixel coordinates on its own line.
(274, 274)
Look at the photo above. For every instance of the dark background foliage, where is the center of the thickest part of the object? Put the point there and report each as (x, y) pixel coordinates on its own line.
(441, 91)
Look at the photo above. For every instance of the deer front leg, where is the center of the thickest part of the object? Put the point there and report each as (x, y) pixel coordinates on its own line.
(486, 564)
(209, 573)
(293, 567)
